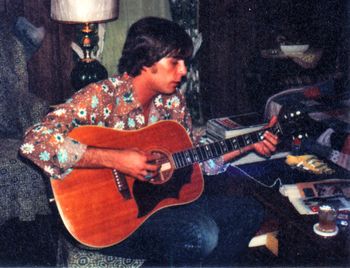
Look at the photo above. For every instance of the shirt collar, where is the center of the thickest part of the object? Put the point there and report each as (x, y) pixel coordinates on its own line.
(125, 98)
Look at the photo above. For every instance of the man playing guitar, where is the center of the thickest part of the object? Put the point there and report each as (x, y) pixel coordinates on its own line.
(213, 228)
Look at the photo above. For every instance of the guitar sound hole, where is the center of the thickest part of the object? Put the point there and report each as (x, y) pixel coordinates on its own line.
(166, 167)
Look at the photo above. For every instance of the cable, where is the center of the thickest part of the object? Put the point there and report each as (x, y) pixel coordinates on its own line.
(278, 180)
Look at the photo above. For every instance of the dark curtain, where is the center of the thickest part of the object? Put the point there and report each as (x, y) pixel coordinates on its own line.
(185, 14)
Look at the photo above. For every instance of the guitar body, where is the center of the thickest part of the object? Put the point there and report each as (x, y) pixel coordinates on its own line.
(95, 211)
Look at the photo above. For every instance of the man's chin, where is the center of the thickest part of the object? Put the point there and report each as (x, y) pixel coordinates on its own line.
(171, 90)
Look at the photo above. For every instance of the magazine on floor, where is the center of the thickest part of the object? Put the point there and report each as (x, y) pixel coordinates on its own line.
(306, 197)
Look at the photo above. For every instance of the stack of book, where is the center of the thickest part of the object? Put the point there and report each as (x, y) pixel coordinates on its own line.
(231, 126)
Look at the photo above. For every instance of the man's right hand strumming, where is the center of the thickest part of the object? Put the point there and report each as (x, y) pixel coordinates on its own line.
(132, 162)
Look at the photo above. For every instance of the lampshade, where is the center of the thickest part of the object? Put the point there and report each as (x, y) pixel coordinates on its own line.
(80, 11)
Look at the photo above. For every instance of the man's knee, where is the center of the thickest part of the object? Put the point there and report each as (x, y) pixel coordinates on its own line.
(198, 240)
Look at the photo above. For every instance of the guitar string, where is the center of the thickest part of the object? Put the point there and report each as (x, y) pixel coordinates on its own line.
(278, 180)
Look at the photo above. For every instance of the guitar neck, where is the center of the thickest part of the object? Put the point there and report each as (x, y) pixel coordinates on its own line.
(213, 150)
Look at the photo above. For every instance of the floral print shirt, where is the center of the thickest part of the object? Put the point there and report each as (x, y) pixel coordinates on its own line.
(110, 103)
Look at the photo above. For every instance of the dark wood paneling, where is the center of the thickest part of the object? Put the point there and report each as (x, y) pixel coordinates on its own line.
(228, 44)
(49, 68)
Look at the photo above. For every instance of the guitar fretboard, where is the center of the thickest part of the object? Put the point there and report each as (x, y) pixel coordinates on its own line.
(218, 148)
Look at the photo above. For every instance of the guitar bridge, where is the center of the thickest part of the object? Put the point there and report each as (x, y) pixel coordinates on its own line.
(122, 184)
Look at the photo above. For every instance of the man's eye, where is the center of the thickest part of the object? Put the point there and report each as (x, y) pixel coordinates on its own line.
(174, 62)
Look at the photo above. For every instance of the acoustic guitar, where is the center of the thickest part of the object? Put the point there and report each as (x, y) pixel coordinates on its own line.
(101, 207)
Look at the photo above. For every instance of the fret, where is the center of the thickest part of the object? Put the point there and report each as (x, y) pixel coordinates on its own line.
(190, 152)
(213, 150)
(260, 135)
(255, 137)
(176, 160)
(247, 139)
(188, 158)
(208, 151)
(180, 159)
(234, 144)
(241, 142)
(200, 150)
(229, 144)
(183, 159)
(223, 146)
(204, 153)
(178, 156)
(217, 148)
(195, 155)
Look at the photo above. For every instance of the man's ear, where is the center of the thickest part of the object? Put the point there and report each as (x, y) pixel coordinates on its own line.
(152, 69)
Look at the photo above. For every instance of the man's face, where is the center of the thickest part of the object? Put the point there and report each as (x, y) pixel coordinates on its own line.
(167, 74)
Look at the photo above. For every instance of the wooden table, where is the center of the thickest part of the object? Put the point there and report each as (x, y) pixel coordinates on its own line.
(298, 244)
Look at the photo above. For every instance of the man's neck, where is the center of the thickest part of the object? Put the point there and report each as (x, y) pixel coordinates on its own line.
(144, 94)
(143, 91)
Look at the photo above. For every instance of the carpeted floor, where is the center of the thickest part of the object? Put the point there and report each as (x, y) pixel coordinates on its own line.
(28, 243)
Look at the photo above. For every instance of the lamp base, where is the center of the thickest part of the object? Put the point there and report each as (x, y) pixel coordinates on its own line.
(86, 72)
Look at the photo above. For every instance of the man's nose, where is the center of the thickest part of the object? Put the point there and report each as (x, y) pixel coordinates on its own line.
(182, 68)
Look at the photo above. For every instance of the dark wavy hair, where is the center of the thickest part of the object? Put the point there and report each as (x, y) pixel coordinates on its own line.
(151, 39)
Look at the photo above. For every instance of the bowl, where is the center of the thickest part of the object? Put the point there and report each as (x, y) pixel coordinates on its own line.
(294, 49)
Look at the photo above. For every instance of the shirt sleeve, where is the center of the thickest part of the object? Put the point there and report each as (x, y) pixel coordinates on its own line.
(48, 145)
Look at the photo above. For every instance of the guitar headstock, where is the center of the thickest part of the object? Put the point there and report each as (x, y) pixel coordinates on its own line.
(294, 123)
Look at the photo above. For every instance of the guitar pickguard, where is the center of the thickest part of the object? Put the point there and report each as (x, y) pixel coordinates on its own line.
(147, 195)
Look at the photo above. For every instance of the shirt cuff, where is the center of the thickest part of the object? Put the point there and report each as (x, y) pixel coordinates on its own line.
(69, 153)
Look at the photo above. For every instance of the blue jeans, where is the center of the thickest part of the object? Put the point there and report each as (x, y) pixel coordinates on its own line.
(215, 229)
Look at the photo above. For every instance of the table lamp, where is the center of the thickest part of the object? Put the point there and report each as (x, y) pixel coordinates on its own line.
(87, 13)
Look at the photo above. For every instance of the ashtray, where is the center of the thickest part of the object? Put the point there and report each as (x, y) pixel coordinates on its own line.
(322, 233)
